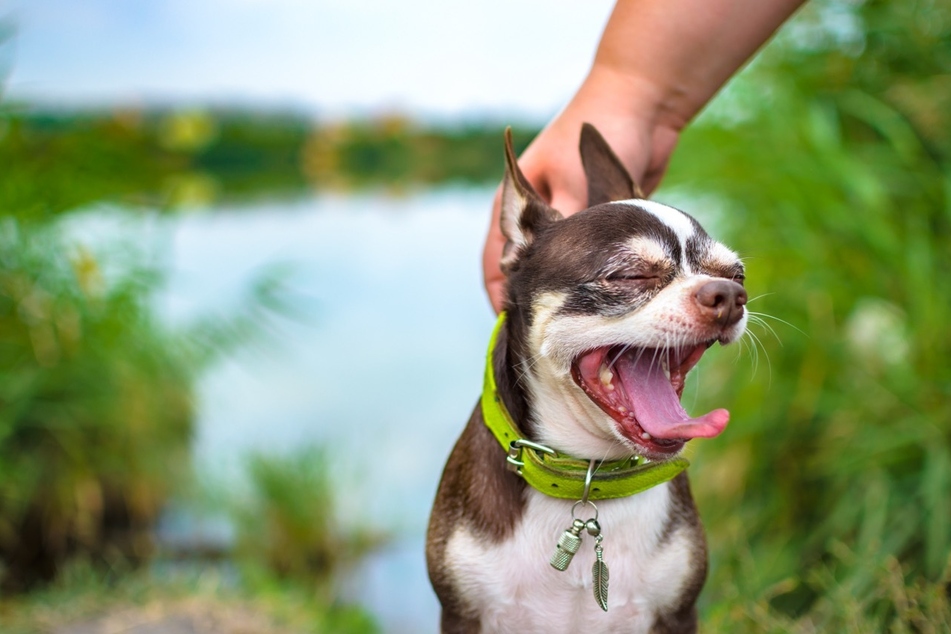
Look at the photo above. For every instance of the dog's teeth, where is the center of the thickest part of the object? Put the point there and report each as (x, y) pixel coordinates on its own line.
(665, 363)
(606, 376)
(646, 436)
(622, 409)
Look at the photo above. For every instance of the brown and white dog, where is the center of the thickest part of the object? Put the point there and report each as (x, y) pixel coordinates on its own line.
(606, 312)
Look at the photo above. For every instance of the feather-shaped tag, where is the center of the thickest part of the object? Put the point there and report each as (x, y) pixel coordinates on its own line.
(600, 573)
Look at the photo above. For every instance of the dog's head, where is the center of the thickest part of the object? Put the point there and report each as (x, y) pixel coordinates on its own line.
(610, 308)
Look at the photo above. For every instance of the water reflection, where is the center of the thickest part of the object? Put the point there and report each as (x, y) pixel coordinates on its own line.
(384, 369)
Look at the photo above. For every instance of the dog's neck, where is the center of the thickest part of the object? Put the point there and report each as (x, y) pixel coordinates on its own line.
(507, 358)
(551, 472)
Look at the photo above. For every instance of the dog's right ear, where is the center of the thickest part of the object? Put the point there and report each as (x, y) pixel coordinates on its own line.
(608, 179)
(524, 213)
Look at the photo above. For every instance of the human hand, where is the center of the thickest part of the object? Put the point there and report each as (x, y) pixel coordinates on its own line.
(552, 163)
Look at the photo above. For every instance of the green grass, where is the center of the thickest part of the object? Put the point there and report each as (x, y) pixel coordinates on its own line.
(85, 595)
(827, 501)
(97, 411)
(288, 526)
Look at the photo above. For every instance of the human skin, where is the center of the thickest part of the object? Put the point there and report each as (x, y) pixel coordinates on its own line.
(657, 65)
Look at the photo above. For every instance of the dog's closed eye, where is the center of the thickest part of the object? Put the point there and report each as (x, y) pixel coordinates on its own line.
(644, 274)
(632, 277)
(635, 282)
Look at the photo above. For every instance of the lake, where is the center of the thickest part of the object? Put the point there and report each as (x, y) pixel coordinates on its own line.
(383, 368)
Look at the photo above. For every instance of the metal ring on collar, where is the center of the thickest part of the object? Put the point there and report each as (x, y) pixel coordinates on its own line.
(588, 503)
(521, 442)
(587, 482)
(514, 457)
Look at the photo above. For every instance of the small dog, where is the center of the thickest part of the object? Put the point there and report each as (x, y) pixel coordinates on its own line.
(580, 424)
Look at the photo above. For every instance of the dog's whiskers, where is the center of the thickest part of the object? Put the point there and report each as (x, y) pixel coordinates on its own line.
(761, 317)
(755, 345)
(696, 384)
(526, 367)
(620, 353)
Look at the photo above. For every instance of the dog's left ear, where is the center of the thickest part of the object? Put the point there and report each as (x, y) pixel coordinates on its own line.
(608, 179)
(524, 213)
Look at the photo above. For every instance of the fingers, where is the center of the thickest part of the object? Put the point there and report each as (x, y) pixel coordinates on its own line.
(492, 256)
(663, 142)
(552, 165)
(558, 183)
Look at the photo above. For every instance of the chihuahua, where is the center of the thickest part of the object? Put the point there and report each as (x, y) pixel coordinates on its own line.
(577, 438)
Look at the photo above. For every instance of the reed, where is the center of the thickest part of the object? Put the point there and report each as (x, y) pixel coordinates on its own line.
(827, 166)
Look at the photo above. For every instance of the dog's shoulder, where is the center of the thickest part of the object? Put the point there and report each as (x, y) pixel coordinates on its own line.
(477, 497)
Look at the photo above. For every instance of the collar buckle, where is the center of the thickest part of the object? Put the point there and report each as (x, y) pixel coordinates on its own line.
(514, 458)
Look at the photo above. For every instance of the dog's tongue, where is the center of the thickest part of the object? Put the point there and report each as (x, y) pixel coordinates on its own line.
(655, 403)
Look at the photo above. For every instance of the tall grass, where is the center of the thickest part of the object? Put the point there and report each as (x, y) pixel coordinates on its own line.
(288, 524)
(84, 598)
(829, 165)
(96, 413)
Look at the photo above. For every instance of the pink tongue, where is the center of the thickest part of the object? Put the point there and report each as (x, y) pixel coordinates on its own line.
(655, 404)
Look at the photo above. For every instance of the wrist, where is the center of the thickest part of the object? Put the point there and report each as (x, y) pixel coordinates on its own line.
(634, 115)
(636, 96)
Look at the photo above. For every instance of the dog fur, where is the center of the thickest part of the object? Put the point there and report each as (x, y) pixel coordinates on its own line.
(589, 298)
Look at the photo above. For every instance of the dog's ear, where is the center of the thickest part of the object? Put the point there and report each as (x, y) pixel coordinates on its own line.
(608, 179)
(524, 213)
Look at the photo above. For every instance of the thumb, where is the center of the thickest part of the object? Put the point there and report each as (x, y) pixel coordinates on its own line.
(564, 189)
(492, 256)
(568, 202)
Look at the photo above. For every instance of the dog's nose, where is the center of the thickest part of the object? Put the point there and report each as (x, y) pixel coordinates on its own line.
(722, 301)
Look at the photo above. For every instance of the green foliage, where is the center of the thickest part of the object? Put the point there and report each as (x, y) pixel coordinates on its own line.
(829, 165)
(54, 163)
(396, 153)
(59, 161)
(288, 525)
(96, 407)
(252, 154)
(888, 600)
(181, 598)
(96, 411)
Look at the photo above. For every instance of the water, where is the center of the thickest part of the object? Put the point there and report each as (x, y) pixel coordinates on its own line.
(383, 368)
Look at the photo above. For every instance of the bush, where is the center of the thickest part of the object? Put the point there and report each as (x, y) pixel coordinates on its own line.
(96, 413)
(288, 526)
(829, 164)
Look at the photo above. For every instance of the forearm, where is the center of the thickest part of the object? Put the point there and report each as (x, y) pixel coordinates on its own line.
(672, 56)
(676, 54)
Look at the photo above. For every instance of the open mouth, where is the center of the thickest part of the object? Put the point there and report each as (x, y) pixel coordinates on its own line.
(640, 389)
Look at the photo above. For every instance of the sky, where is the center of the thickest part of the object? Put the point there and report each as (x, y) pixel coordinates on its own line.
(437, 58)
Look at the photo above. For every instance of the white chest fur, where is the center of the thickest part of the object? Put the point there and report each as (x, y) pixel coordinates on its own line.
(514, 589)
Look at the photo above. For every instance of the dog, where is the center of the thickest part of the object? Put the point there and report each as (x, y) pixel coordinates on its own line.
(579, 430)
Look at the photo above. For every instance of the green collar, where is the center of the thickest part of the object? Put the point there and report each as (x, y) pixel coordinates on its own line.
(562, 476)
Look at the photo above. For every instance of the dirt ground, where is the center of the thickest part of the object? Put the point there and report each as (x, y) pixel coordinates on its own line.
(191, 616)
